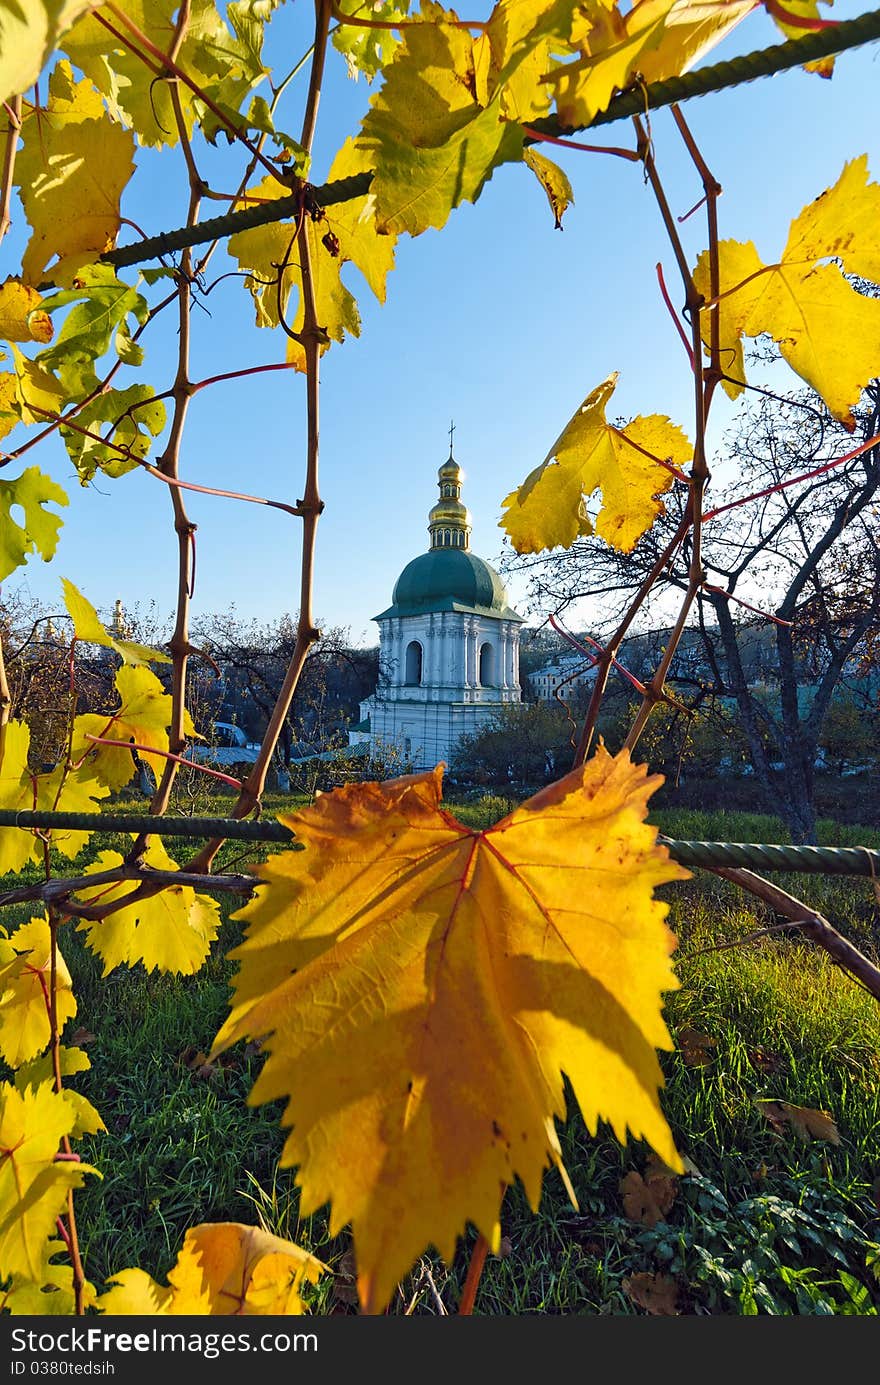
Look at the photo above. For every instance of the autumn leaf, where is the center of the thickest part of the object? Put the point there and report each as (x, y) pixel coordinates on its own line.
(22, 316)
(99, 316)
(224, 62)
(17, 791)
(265, 249)
(695, 1048)
(806, 1122)
(169, 931)
(223, 1268)
(656, 1293)
(827, 331)
(88, 628)
(31, 492)
(28, 34)
(648, 1196)
(25, 987)
(433, 137)
(424, 986)
(33, 1187)
(143, 717)
(368, 50)
(71, 170)
(51, 1294)
(629, 467)
(785, 15)
(553, 180)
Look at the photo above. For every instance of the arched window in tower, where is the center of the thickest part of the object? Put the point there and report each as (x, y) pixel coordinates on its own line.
(487, 665)
(447, 538)
(413, 671)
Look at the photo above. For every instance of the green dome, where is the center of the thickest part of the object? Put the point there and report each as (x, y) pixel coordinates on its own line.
(449, 579)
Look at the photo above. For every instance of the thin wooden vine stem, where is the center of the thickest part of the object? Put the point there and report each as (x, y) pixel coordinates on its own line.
(474, 1275)
(313, 337)
(702, 399)
(169, 465)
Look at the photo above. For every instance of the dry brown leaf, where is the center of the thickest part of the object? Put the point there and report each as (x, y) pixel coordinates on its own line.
(806, 1122)
(764, 1060)
(345, 1279)
(505, 1248)
(656, 1293)
(647, 1199)
(695, 1048)
(81, 1038)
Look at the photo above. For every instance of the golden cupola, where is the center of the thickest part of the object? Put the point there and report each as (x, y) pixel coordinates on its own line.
(449, 521)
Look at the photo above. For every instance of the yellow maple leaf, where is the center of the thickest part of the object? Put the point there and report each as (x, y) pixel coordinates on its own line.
(420, 989)
(169, 931)
(143, 717)
(25, 979)
(827, 331)
(223, 1268)
(71, 170)
(33, 1187)
(626, 465)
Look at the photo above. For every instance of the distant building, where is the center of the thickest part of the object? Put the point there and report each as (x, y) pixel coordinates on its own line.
(564, 676)
(448, 643)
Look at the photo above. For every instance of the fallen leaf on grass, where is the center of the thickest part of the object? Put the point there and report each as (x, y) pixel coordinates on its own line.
(505, 1248)
(764, 1061)
(345, 1280)
(648, 1198)
(806, 1122)
(656, 1293)
(81, 1038)
(695, 1048)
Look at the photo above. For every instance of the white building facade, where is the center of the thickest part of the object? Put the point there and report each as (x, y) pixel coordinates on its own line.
(448, 643)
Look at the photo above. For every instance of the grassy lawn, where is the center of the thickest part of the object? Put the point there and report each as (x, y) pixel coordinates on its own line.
(765, 1221)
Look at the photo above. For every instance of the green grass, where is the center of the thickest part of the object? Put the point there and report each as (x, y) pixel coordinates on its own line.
(764, 1223)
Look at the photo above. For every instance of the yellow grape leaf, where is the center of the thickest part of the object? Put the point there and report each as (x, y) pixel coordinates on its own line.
(38, 396)
(33, 1187)
(87, 627)
(143, 717)
(71, 170)
(612, 49)
(431, 141)
(223, 1268)
(264, 249)
(801, 9)
(806, 1122)
(548, 510)
(170, 931)
(521, 35)
(553, 180)
(28, 34)
(17, 792)
(827, 331)
(71, 1061)
(51, 1294)
(31, 492)
(21, 790)
(25, 981)
(224, 65)
(22, 317)
(654, 40)
(690, 29)
(69, 791)
(420, 989)
(354, 224)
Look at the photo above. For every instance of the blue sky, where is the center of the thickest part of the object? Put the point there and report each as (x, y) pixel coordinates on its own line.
(499, 322)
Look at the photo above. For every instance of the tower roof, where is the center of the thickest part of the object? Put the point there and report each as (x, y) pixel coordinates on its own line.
(449, 577)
